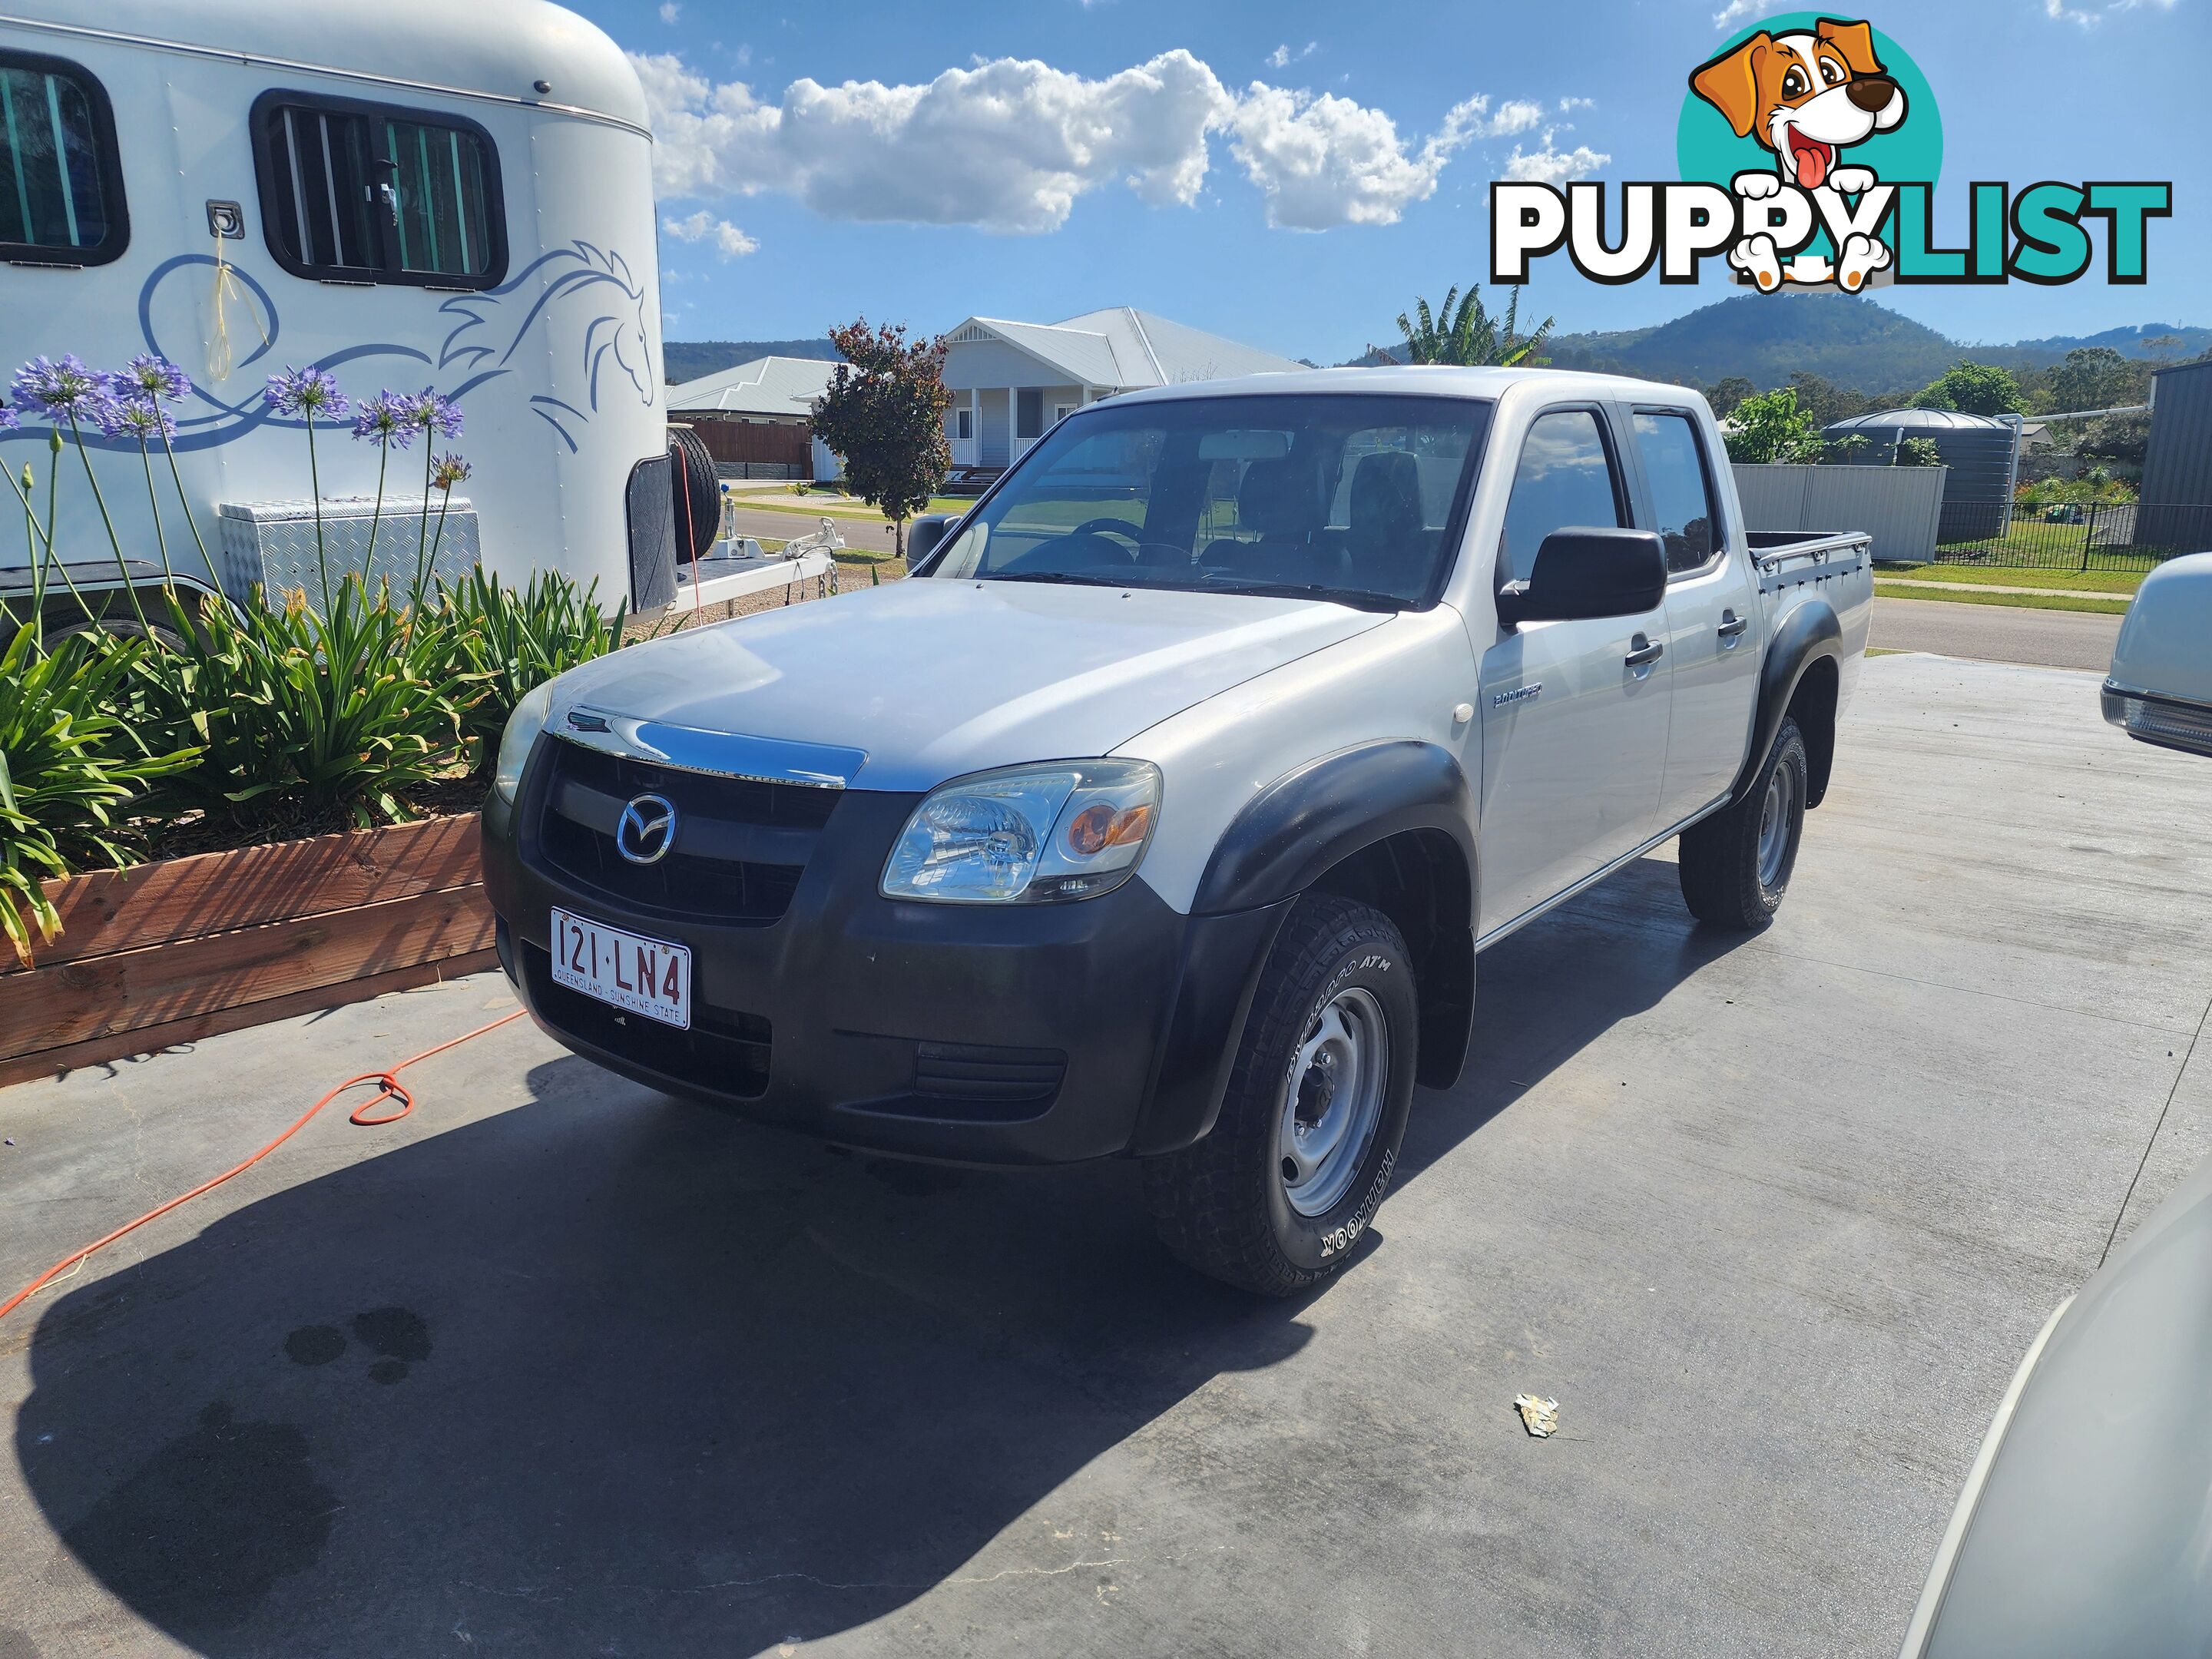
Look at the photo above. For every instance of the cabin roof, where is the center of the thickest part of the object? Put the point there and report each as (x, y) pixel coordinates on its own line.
(490, 48)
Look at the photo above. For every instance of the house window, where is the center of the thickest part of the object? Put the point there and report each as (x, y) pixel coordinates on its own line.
(373, 193)
(1061, 411)
(963, 425)
(1029, 414)
(61, 186)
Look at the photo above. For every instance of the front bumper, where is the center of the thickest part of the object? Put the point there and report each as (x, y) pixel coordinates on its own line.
(1032, 1033)
(2168, 722)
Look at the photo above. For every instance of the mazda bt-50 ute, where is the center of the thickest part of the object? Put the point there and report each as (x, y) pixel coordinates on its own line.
(1162, 814)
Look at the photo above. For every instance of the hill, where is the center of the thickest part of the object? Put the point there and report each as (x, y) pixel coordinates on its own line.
(1854, 342)
(687, 359)
(2172, 341)
(1766, 338)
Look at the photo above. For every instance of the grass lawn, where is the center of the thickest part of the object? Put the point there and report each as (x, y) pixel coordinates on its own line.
(843, 507)
(2070, 582)
(2094, 602)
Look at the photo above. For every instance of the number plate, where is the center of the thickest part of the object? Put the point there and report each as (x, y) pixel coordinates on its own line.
(648, 976)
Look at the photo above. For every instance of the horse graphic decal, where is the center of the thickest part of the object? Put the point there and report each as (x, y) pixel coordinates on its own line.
(579, 291)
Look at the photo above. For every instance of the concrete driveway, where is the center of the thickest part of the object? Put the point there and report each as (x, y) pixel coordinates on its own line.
(557, 1366)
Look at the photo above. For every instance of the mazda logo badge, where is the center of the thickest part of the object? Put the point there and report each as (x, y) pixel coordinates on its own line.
(646, 829)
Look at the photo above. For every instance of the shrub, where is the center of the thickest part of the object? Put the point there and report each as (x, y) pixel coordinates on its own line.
(510, 641)
(308, 723)
(69, 767)
(1770, 427)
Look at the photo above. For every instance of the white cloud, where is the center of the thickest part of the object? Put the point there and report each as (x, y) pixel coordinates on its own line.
(1007, 146)
(671, 10)
(1569, 106)
(703, 226)
(1548, 166)
(1283, 57)
(1737, 10)
(1010, 144)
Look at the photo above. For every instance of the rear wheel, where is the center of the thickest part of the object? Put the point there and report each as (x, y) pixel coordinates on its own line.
(1735, 865)
(1309, 1134)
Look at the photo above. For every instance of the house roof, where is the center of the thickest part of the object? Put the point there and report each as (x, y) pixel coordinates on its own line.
(1121, 349)
(766, 386)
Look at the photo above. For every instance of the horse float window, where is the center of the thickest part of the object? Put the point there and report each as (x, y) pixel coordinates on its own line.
(362, 192)
(61, 185)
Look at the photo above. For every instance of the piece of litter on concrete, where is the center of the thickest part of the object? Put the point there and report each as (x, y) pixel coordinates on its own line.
(1539, 1417)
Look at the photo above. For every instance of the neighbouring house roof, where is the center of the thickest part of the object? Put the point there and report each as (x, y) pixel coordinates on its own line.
(766, 386)
(1121, 349)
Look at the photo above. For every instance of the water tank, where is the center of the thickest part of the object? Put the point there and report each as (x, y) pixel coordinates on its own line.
(1978, 448)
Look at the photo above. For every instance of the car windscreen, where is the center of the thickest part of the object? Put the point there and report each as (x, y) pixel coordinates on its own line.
(1352, 497)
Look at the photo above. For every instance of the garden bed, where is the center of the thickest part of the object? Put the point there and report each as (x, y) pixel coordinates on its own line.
(178, 949)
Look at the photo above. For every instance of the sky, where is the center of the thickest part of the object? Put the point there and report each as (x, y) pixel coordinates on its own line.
(1291, 175)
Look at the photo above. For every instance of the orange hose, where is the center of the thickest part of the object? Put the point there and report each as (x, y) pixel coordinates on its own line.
(388, 1088)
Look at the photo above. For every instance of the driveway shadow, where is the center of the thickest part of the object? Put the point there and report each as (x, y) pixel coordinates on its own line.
(611, 1366)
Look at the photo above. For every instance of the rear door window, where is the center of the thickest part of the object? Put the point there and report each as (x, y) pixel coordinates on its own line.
(371, 193)
(1681, 488)
(1566, 481)
(61, 187)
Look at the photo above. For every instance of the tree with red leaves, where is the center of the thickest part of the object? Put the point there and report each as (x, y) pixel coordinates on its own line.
(883, 417)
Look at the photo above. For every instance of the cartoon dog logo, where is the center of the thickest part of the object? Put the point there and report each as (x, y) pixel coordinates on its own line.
(1806, 95)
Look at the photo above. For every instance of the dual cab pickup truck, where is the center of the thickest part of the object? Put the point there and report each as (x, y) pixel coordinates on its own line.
(1164, 814)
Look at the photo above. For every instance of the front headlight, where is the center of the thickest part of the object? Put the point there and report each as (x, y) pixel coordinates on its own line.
(523, 726)
(1030, 835)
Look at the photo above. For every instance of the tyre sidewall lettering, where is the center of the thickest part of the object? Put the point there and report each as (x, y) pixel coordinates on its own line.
(1314, 1242)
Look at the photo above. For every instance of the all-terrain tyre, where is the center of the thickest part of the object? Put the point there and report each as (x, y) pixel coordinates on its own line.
(1735, 865)
(1275, 1197)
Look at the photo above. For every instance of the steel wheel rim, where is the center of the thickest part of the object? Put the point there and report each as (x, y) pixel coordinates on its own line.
(1333, 1101)
(1774, 826)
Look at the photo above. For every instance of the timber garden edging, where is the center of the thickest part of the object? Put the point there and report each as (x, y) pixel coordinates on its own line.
(178, 949)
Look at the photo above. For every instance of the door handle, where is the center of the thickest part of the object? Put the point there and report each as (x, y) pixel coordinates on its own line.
(1731, 624)
(1644, 651)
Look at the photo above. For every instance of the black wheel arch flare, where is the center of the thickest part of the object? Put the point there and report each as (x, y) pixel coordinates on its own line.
(1809, 635)
(1397, 814)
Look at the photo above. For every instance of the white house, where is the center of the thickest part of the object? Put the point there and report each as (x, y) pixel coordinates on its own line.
(1011, 381)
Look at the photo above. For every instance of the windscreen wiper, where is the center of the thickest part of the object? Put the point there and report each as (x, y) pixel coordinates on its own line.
(1356, 599)
(1069, 577)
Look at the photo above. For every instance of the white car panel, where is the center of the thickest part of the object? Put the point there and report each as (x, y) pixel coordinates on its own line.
(1400, 681)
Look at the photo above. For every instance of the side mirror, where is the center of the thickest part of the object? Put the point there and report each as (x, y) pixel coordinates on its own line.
(1582, 574)
(922, 537)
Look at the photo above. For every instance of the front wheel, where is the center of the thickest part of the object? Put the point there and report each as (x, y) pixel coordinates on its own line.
(1735, 865)
(1303, 1152)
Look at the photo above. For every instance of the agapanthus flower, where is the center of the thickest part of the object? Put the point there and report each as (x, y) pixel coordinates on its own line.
(66, 389)
(8, 420)
(151, 376)
(435, 414)
(307, 392)
(388, 419)
(449, 469)
(141, 418)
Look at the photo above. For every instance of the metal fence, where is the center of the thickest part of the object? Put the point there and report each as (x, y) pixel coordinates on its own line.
(1899, 507)
(2083, 536)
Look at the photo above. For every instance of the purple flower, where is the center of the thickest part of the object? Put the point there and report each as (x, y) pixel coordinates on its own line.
(449, 469)
(66, 389)
(307, 392)
(141, 418)
(8, 420)
(435, 415)
(388, 419)
(152, 377)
